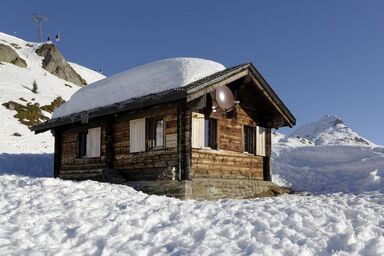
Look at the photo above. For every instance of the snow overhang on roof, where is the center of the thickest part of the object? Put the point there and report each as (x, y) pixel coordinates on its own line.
(160, 82)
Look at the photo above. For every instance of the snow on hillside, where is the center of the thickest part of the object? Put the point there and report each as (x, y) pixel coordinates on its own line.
(17, 85)
(136, 82)
(330, 130)
(50, 216)
(329, 157)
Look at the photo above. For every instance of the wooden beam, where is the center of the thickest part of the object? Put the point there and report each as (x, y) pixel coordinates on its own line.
(204, 88)
(257, 83)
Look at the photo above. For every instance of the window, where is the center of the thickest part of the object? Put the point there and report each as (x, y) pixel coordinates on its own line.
(155, 133)
(210, 133)
(89, 142)
(249, 139)
(204, 131)
(82, 144)
(146, 134)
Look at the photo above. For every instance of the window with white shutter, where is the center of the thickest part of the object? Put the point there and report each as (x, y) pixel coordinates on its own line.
(137, 135)
(260, 141)
(197, 130)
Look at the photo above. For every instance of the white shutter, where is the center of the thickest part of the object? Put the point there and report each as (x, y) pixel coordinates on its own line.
(260, 141)
(159, 133)
(137, 135)
(93, 142)
(197, 130)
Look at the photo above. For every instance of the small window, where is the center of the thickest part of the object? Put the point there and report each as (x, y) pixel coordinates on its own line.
(210, 133)
(249, 139)
(82, 144)
(89, 142)
(155, 133)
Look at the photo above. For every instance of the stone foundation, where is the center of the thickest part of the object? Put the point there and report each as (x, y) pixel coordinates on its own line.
(209, 189)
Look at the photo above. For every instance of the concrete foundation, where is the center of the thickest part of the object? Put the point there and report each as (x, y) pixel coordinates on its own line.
(209, 189)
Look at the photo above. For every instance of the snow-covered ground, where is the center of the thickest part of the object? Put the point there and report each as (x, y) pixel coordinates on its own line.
(44, 216)
(339, 212)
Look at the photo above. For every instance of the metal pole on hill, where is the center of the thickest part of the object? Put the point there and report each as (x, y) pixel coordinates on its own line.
(39, 19)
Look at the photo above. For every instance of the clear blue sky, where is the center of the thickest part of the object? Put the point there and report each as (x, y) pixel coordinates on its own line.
(322, 57)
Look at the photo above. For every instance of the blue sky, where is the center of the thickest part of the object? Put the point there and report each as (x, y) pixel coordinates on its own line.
(321, 57)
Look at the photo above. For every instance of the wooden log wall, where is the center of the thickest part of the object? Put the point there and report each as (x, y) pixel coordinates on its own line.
(229, 161)
(73, 167)
(152, 164)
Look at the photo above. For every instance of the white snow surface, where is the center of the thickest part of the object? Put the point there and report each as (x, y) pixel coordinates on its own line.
(44, 216)
(87, 74)
(16, 84)
(331, 166)
(146, 79)
(330, 130)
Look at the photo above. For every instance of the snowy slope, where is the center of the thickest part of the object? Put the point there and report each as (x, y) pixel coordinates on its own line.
(330, 130)
(331, 158)
(143, 80)
(16, 85)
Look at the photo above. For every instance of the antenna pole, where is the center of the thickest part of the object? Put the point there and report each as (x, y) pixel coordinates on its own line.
(39, 19)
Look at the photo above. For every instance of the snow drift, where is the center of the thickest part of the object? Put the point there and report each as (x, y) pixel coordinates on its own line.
(150, 78)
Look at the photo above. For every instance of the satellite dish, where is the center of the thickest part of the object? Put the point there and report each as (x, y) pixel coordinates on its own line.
(224, 98)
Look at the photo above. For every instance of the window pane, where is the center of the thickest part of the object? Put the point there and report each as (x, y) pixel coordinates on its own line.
(159, 133)
(249, 139)
(213, 133)
(82, 143)
(210, 133)
(206, 133)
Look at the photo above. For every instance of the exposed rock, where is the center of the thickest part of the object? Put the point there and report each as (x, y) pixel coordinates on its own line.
(55, 63)
(8, 54)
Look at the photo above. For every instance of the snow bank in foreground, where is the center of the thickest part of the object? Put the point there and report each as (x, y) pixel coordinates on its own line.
(140, 81)
(50, 216)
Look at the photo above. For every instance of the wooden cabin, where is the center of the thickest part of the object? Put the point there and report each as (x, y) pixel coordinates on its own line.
(177, 142)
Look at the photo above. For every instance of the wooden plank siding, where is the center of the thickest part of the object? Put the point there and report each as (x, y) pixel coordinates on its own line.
(154, 163)
(229, 161)
(73, 167)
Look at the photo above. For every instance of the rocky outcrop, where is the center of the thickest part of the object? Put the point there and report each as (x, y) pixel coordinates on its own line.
(55, 63)
(8, 54)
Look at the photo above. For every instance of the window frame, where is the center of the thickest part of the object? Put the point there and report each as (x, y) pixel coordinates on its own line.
(210, 133)
(151, 134)
(249, 139)
(82, 143)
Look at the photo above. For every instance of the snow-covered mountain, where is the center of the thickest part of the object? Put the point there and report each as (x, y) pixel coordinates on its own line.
(330, 130)
(34, 79)
(326, 155)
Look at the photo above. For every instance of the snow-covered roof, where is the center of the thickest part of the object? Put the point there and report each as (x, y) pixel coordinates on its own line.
(143, 80)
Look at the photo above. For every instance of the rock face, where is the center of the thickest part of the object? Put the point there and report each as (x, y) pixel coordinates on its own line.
(8, 54)
(55, 63)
